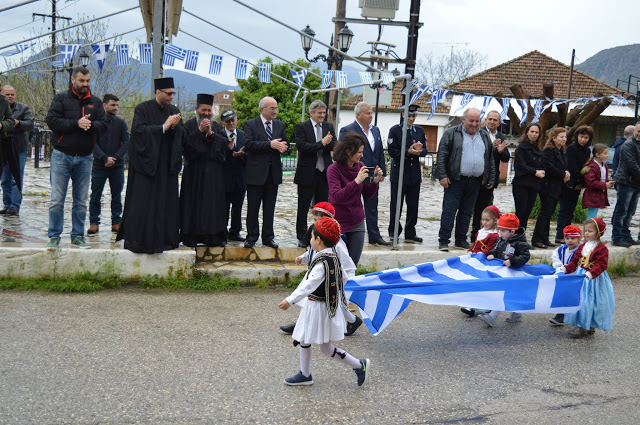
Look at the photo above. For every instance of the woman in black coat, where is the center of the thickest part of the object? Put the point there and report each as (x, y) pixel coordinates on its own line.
(554, 162)
(527, 164)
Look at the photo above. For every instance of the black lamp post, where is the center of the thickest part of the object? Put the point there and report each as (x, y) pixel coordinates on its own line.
(84, 61)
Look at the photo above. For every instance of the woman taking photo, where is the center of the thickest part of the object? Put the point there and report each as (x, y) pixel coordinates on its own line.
(554, 163)
(348, 180)
(527, 164)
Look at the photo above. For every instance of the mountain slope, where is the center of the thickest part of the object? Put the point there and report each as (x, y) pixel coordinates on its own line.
(615, 63)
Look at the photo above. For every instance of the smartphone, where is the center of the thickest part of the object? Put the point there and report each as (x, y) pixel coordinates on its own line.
(371, 171)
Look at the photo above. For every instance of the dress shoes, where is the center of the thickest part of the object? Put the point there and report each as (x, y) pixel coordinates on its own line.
(548, 243)
(270, 244)
(249, 244)
(115, 227)
(560, 241)
(288, 329)
(3, 211)
(380, 241)
(462, 245)
(93, 229)
(12, 211)
(538, 245)
(414, 239)
(236, 238)
(301, 244)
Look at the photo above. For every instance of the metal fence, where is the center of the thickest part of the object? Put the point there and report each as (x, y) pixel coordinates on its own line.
(40, 143)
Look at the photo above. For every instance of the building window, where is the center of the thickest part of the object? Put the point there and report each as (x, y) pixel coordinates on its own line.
(225, 96)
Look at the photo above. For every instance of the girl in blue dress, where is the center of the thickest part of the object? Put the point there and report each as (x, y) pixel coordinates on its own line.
(591, 260)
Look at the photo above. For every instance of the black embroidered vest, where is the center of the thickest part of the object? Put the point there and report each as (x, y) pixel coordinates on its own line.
(333, 284)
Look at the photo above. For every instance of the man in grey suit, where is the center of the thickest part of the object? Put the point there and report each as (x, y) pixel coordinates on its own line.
(373, 155)
(11, 197)
(265, 141)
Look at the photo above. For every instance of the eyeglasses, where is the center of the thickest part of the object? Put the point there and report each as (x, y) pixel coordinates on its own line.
(171, 93)
(273, 108)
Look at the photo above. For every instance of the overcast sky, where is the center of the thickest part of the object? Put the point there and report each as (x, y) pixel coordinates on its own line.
(500, 29)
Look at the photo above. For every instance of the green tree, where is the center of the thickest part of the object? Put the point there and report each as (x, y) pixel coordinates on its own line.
(245, 101)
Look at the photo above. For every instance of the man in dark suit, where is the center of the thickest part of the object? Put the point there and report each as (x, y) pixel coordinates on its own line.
(314, 141)
(234, 173)
(265, 141)
(500, 154)
(373, 155)
(416, 146)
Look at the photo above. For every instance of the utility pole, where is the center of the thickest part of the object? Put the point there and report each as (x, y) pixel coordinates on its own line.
(412, 39)
(157, 36)
(341, 12)
(573, 56)
(53, 17)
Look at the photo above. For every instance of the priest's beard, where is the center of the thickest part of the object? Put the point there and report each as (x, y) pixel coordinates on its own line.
(199, 118)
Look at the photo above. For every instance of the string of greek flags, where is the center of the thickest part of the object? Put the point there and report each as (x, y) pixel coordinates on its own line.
(340, 78)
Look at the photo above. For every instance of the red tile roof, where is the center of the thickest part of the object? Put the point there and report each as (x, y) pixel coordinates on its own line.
(396, 102)
(531, 71)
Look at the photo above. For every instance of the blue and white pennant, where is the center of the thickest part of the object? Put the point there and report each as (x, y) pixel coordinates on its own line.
(264, 72)
(241, 69)
(215, 65)
(100, 51)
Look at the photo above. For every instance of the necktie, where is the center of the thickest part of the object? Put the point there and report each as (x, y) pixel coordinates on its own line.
(320, 163)
(232, 137)
(269, 134)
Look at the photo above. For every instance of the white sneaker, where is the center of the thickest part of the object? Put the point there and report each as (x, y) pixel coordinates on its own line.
(488, 319)
(515, 317)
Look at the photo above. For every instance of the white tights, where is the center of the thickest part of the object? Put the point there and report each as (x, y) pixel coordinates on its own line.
(327, 349)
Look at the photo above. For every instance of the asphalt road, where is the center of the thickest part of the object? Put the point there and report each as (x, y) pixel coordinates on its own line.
(157, 357)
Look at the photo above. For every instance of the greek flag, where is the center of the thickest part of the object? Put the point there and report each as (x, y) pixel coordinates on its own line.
(168, 60)
(215, 65)
(505, 109)
(191, 62)
(436, 98)
(264, 72)
(524, 103)
(618, 100)
(19, 48)
(469, 280)
(241, 69)
(327, 76)
(100, 50)
(298, 77)
(419, 92)
(466, 99)
(68, 51)
(388, 78)
(341, 79)
(413, 85)
(537, 110)
(145, 53)
(485, 103)
(174, 51)
(365, 78)
(122, 54)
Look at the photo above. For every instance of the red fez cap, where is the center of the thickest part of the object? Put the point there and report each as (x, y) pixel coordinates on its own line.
(508, 222)
(572, 231)
(326, 208)
(329, 228)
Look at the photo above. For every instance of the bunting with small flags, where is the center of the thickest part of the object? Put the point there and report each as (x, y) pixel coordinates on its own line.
(18, 48)
(505, 109)
(436, 98)
(537, 110)
(264, 72)
(341, 79)
(412, 85)
(366, 78)
(100, 50)
(327, 77)
(524, 104)
(241, 69)
(466, 99)
(422, 89)
(215, 65)
(298, 78)
(68, 51)
(191, 61)
(485, 103)
(388, 78)
(122, 54)
(145, 53)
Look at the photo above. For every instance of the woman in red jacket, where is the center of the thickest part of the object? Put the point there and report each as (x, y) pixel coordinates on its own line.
(596, 180)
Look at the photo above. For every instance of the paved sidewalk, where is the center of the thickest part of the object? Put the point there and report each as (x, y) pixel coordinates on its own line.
(31, 226)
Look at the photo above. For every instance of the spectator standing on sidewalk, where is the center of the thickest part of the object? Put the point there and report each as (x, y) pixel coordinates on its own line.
(465, 162)
(628, 132)
(108, 164)
(76, 119)
(628, 181)
(235, 180)
(11, 197)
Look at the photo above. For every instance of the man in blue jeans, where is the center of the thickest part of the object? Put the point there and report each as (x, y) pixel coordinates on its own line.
(76, 119)
(11, 197)
(108, 164)
(628, 181)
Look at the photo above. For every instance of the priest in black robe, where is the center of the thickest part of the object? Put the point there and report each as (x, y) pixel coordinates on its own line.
(202, 195)
(150, 221)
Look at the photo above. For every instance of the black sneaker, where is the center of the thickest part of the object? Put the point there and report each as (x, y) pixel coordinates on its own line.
(299, 379)
(414, 239)
(443, 246)
(468, 311)
(557, 320)
(633, 242)
(288, 329)
(352, 327)
(623, 244)
(463, 245)
(362, 372)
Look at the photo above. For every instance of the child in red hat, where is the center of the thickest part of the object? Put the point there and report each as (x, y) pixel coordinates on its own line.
(562, 256)
(513, 250)
(598, 303)
(321, 320)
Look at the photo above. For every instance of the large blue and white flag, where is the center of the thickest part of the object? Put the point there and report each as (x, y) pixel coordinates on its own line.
(524, 103)
(241, 69)
(388, 78)
(366, 78)
(466, 99)
(298, 77)
(171, 50)
(419, 92)
(18, 48)
(215, 65)
(341, 79)
(100, 50)
(122, 54)
(537, 110)
(145, 53)
(68, 51)
(436, 98)
(469, 280)
(191, 61)
(505, 109)
(327, 77)
(264, 72)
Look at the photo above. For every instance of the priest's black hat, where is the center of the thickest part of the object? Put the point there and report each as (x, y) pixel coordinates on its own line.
(204, 99)
(163, 83)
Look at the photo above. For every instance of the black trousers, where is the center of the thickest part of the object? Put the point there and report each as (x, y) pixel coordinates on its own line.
(410, 194)
(485, 198)
(266, 195)
(524, 198)
(318, 190)
(457, 206)
(547, 208)
(371, 216)
(234, 201)
(568, 203)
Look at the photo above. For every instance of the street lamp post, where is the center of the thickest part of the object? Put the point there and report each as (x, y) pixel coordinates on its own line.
(84, 61)
(345, 36)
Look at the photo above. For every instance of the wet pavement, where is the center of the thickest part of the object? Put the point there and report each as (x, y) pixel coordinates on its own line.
(31, 226)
